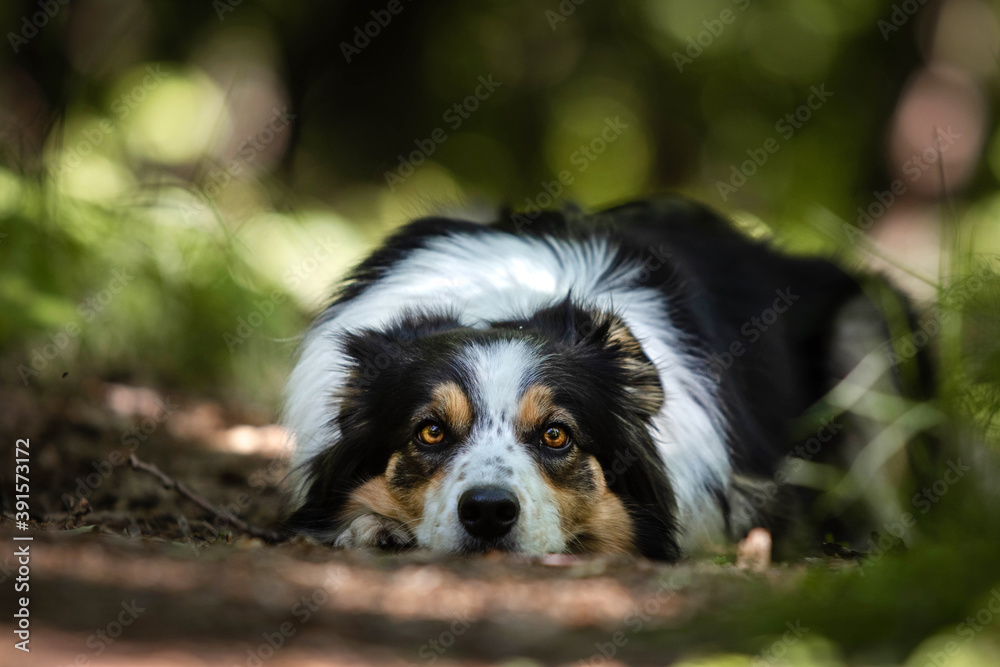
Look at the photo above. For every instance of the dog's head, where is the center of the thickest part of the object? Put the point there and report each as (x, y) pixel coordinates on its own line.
(529, 436)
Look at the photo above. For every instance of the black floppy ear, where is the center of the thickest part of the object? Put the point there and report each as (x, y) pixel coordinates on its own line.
(372, 354)
(370, 344)
(642, 380)
(375, 350)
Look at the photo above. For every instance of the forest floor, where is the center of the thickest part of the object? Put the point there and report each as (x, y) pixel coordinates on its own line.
(124, 571)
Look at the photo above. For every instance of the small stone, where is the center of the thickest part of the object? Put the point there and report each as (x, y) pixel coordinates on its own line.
(754, 551)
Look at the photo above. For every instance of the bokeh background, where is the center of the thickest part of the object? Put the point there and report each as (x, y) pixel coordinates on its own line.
(221, 151)
(182, 182)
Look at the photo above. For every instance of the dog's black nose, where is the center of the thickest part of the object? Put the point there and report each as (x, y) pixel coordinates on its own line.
(488, 511)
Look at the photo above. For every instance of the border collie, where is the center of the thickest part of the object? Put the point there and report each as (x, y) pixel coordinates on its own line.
(636, 381)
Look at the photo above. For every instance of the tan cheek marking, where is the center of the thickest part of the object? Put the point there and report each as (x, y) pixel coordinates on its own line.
(609, 529)
(373, 497)
(597, 517)
(454, 405)
(404, 503)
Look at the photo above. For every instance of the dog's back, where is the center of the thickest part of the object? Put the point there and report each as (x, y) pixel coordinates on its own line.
(779, 333)
(745, 342)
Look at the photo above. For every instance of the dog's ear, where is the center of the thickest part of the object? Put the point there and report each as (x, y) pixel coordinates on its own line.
(602, 336)
(371, 350)
(609, 333)
(373, 356)
(644, 380)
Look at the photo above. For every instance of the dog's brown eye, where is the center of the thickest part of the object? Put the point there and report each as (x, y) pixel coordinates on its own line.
(431, 433)
(555, 437)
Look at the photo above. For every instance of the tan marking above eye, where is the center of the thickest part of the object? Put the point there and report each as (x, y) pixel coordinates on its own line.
(431, 433)
(537, 410)
(555, 437)
(594, 515)
(451, 404)
(535, 405)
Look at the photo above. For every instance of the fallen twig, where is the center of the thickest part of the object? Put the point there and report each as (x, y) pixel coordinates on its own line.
(181, 488)
(840, 551)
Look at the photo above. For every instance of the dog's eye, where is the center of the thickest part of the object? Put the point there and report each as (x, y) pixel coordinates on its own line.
(555, 436)
(431, 433)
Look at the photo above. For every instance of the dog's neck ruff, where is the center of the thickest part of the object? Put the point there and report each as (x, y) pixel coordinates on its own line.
(493, 276)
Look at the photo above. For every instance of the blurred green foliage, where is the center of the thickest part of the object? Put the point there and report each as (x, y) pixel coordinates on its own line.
(211, 148)
(181, 182)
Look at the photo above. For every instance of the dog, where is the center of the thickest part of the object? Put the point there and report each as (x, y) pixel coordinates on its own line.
(634, 381)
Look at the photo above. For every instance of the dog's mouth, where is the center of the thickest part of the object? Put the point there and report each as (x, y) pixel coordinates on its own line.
(479, 546)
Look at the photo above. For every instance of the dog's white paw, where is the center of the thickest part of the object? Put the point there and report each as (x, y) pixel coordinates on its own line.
(371, 531)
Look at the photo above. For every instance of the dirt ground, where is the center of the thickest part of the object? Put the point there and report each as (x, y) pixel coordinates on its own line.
(126, 572)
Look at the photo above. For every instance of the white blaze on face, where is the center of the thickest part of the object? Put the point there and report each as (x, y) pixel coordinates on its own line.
(498, 374)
